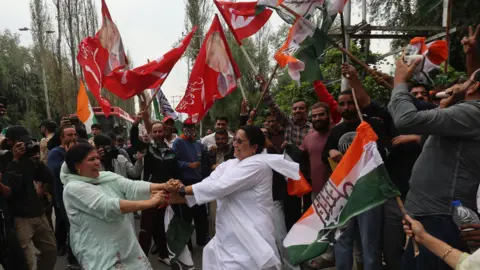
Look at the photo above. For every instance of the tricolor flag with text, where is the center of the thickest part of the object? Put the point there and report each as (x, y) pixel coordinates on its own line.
(301, 29)
(359, 183)
(241, 18)
(127, 83)
(84, 109)
(214, 74)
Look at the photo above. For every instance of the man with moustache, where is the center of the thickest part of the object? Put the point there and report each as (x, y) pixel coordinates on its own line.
(369, 223)
(190, 155)
(314, 143)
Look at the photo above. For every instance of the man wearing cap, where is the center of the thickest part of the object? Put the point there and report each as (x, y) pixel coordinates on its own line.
(48, 128)
(189, 152)
(25, 205)
(170, 136)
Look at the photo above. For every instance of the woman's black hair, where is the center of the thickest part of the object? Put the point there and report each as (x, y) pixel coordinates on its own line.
(255, 136)
(77, 154)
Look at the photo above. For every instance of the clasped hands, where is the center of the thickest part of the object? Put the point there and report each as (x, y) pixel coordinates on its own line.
(162, 198)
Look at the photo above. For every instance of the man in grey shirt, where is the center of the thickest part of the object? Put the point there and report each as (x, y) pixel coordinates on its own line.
(448, 168)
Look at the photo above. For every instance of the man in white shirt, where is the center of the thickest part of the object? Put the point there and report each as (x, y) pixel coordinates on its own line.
(208, 141)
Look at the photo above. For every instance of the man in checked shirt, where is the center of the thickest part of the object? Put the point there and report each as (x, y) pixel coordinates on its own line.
(296, 128)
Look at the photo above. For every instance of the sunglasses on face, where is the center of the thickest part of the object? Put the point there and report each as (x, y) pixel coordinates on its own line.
(238, 141)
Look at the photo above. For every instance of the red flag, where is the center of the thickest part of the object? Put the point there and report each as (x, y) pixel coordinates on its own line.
(241, 19)
(213, 76)
(128, 83)
(88, 58)
(99, 55)
(111, 41)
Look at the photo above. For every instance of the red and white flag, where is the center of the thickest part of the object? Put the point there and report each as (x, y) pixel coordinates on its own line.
(89, 56)
(241, 18)
(101, 54)
(128, 83)
(213, 76)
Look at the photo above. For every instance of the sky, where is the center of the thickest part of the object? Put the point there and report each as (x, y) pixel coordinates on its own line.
(149, 28)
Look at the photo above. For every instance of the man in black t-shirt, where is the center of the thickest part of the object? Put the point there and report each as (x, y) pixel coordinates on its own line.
(369, 223)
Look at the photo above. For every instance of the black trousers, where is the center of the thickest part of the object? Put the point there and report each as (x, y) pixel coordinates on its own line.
(198, 214)
(292, 207)
(152, 226)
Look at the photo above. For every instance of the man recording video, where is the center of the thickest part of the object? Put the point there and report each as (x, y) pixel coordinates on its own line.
(29, 220)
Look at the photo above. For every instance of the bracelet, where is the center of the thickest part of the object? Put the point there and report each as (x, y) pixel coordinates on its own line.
(446, 253)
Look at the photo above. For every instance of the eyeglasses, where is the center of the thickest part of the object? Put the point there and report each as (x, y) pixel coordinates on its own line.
(238, 140)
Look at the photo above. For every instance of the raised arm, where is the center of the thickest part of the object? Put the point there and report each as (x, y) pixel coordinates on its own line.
(362, 96)
(453, 121)
(470, 48)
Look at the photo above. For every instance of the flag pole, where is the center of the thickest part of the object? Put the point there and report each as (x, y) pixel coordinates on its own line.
(239, 82)
(447, 36)
(344, 36)
(399, 201)
(264, 91)
(249, 60)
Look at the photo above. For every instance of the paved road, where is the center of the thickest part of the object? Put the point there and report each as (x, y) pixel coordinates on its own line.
(197, 257)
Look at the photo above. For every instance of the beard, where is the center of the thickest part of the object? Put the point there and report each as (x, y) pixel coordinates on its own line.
(349, 115)
(321, 125)
(299, 117)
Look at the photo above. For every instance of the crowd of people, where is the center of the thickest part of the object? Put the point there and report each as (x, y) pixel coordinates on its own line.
(232, 187)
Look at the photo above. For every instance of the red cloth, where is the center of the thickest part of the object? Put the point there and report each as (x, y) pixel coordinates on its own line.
(325, 96)
(241, 18)
(214, 74)
(129, 83)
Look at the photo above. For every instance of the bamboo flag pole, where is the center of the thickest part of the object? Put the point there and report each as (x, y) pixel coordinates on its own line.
(264, 92)
(239, 82)
(399, 201)
(447, 36)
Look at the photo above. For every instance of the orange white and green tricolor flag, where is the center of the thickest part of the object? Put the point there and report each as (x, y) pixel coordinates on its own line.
(359, 183)
(301, 29)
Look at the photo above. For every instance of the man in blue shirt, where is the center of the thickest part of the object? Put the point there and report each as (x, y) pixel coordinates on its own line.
(189, 152)
(56, 157)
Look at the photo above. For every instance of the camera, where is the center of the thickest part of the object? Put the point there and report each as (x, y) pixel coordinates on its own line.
(32, 148)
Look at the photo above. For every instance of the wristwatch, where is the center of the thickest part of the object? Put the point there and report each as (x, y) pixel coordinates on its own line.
(181, 192)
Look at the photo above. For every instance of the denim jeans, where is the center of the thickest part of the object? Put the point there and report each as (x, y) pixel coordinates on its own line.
(441, 227)
(368, 224)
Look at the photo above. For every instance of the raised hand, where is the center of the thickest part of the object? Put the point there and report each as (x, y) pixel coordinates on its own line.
(349, 71)
(469, 43)
(403, 72)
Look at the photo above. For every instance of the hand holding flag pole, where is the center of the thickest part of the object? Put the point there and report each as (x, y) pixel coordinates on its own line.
(399, 201)
(264, 92)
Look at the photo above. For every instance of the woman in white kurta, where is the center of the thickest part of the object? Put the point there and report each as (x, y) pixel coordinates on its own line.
(245, 235)
(97, 204)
